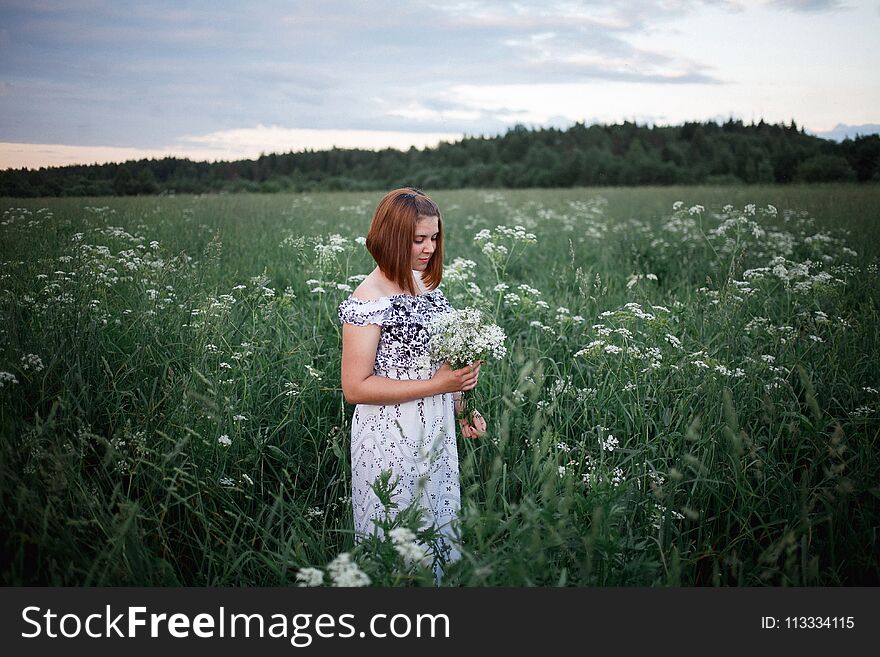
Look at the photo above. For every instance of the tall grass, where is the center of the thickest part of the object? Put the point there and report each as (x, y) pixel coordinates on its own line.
(676, 407)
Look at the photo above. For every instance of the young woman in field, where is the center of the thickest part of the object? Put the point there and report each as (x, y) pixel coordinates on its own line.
(404, 418)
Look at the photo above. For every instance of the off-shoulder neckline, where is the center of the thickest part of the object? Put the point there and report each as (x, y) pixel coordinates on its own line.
(395, 296)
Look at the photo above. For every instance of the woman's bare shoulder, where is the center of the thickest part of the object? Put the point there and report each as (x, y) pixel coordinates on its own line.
(369, 289)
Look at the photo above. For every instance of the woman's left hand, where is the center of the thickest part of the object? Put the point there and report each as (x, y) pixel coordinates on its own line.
(474, 427)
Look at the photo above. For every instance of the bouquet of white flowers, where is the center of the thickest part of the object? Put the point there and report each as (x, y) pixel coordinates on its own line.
(461, 337)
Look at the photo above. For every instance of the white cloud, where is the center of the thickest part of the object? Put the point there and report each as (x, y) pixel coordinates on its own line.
(418, 111)
(613, 102)
(250, 142)
(241, 143)
(809, 5)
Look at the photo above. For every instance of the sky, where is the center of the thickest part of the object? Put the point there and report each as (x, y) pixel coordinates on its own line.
(85, 81)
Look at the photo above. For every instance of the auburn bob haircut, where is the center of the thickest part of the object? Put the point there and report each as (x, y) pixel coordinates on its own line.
(392, 233)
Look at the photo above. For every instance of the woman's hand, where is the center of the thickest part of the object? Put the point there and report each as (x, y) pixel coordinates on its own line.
(450, 380)
(474, 427)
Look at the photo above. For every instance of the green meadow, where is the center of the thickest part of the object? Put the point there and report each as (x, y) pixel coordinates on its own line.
(689, 397)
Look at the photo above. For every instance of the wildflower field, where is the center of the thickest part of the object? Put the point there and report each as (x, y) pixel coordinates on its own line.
(689, 395)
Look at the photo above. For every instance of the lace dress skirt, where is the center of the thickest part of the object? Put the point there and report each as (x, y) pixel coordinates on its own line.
(416, 439)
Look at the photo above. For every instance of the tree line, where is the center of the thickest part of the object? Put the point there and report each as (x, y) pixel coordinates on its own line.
(595, 155)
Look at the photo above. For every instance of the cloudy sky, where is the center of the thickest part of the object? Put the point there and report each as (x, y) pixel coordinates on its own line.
(87, 81)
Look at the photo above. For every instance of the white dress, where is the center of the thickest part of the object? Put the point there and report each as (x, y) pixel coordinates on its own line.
(415, 439)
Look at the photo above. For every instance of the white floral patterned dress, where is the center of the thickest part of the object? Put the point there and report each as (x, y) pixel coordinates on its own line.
(415, 439)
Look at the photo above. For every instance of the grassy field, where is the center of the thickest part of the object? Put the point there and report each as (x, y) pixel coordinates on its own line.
(690, 395)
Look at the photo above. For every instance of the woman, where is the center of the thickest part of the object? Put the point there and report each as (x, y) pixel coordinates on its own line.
(404, 417)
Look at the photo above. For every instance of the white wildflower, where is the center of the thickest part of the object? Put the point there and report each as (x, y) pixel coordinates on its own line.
(406, 546)
(346, 572)
(463, 336)
(31, 361)
(310, 577)
(609, 443)
(315, 373)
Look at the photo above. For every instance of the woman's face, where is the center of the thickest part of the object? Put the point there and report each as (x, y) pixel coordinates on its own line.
(425, 241)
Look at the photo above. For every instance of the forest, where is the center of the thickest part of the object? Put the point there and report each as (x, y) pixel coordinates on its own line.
(624, 154)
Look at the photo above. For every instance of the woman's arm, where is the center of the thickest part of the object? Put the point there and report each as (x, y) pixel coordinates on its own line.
(360, 385)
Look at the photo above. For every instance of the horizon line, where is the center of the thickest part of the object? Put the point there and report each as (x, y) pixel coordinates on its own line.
(23, 156)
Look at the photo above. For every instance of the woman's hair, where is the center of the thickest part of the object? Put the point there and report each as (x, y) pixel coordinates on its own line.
(392, 233)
